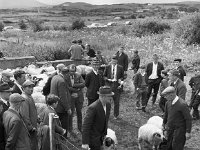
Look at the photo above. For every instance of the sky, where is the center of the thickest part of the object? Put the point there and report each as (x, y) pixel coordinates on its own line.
(101, 2)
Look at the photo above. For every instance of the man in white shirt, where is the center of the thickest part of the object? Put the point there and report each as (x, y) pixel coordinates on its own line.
(153, 71)
(20, 78)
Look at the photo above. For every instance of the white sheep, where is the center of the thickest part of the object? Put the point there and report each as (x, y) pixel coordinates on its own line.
(149, 136)
(157, 121)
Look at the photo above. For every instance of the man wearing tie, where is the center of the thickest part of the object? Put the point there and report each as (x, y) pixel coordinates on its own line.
(153, 71)
(113, 75)
(5, 92)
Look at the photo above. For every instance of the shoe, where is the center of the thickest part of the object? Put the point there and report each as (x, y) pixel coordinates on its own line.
(116, 118)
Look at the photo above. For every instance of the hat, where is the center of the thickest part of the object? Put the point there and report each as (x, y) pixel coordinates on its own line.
(28, 83)
(6, 73)
(4, 87)
(165, 72)
(136, 51)
(178, 59)
(15, 98)
(95, 61)
(60, 66)
(174, 72)
(169, 89)
(79, 41)
(105, 90)
(142, 67)
(65, 70)
(72, 68)
(114, 57)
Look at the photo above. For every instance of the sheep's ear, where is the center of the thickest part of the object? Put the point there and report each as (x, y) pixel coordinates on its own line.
(156, 135)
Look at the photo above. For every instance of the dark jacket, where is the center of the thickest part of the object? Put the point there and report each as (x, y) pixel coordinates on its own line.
(47, 87)
(108, 72)
(59, 88)
(164, 84)
(182, 72)
(91, 53)
(122, 60)
(138, 80)
(95, 124)
(136, 62)
(180, 89)
(195, 82)
(149, 69)
(16, 89)
(2, 134)
(17, 136)
(93, 82)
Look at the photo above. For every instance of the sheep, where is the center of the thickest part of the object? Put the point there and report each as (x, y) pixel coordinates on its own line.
(149, 136)
(110, 140)
(157, 121)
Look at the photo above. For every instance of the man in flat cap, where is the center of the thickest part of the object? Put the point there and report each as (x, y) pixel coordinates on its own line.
(6, 77)
(17, 135)
(59, 87)
(114, 76)
(179, 67)
(135, 62)
(47, 87)
(177, 120)
(29, 112)
(95, 123)
(177, 83)
(5, 92)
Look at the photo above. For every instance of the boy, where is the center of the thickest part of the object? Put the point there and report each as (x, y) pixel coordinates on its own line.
(140, 83)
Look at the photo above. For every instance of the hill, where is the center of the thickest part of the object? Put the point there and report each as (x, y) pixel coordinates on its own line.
(9, 4)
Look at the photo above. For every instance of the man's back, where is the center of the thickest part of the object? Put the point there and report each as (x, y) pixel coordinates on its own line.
(76, 52)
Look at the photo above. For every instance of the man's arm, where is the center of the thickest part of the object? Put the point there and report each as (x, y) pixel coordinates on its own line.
(182, 92)
(80, 84)
(65, 101)
(126, 63)
(188, 118)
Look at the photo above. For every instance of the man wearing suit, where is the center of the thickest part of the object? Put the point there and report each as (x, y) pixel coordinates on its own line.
(114, 75)
(135, 62)
(140, 83)
(153, 71)
(180, 68)
(95, 123)
(5, 92)
(47, 87)
(93, 82)
(122, 58)
(17, 135)
(76, 85)
(20, 78)
(60, 89)
(28, 112)
(177, 83)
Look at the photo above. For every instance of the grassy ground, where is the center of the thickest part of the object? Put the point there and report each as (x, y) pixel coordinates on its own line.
(127, 126)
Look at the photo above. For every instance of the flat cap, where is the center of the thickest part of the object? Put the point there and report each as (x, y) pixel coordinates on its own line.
(114, 57)
(60, 66)
(65, 70)
(16, 98)
(6, 73)
(72, 68)
(169, 89)
(28, 83)
(174, 72)
(178, 59)
(4, 87)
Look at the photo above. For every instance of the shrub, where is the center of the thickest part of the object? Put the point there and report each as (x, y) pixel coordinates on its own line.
(141, 16)
(77, 24)
(22, 25)
(122, 30)
(148, 27)
(37, 25)
(1, 26)
(188, 28)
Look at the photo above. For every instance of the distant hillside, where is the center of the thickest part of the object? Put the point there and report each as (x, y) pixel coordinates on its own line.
(8, 4)
(189, 2)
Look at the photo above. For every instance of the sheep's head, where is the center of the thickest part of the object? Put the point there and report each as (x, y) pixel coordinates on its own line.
(109, 144)
(157, 138)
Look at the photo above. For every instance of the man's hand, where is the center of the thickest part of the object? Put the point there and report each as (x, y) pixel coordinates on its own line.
(69, 112)
(85, 146)
(188, 135)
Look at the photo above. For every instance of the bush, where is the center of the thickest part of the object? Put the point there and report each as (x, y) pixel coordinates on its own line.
(148, 27)
(122, 30)
(22, 25)
(77, 24)
(37, 25)
(1, 26)
(188, 28)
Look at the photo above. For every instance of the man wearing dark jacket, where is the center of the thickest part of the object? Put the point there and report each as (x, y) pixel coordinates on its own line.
(135, 61)
(95, 123)
(122, 58)
(153, 71)
(177, 120)
(20, 78)
(180, 68)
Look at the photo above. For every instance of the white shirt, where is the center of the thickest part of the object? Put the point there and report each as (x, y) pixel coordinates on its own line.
(72, 80)
(114, 71)
(154, 72)
(20, 87)
(104, 107)
(95, 72)
(175, 100)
